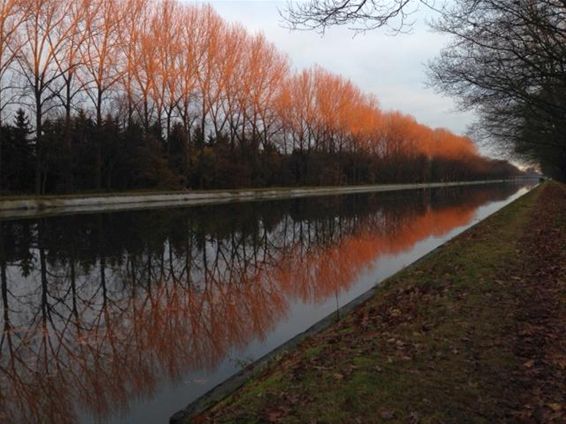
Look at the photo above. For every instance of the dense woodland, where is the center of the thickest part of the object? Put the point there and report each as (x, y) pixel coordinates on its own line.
(136, 94)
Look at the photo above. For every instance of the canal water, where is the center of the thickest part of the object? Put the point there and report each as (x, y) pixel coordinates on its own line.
(129, 316)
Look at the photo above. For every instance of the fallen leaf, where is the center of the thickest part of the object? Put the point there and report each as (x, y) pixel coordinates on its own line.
(529, 364)
(556, 407)
(387, 414)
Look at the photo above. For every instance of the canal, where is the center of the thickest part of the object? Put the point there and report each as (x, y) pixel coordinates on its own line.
(129, 316)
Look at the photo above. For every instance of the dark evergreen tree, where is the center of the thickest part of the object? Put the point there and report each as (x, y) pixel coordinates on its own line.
(17, 155)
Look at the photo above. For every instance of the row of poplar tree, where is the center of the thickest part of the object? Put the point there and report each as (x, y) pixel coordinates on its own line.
(136, 94)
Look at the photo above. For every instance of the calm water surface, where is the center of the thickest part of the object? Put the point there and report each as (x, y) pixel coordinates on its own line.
(127, 317)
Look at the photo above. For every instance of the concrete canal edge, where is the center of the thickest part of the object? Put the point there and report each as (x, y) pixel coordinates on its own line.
(232, 384)
(21, 207)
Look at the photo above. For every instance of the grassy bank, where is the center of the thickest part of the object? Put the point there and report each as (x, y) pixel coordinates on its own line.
(472, 333)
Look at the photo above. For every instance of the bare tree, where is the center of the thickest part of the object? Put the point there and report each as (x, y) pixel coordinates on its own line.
(101, 52)
(40, 47)
(12, 14)
(360, 15)
(507, 61)
(68, 61)
(100, 61)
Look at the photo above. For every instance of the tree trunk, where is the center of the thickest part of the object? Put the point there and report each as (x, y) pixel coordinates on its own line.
(67, 139)
(98, 160)
(38, 149)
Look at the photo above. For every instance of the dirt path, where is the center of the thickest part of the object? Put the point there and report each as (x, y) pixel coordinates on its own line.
(541, 316)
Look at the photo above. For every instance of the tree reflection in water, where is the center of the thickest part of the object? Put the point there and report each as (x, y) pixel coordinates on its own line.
(96, 309)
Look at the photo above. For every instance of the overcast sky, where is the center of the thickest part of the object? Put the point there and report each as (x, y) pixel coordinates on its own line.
(392, 67)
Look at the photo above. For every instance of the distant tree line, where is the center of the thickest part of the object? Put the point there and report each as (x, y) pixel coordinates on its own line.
(506, 61)
(133, 94)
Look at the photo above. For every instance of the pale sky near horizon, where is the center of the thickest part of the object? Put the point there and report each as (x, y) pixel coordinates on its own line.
(391, 67)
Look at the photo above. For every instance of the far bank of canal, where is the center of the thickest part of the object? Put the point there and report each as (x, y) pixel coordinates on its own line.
(25, 206)
(473, 332)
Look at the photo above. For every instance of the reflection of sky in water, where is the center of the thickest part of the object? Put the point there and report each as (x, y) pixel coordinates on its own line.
(353, 242)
